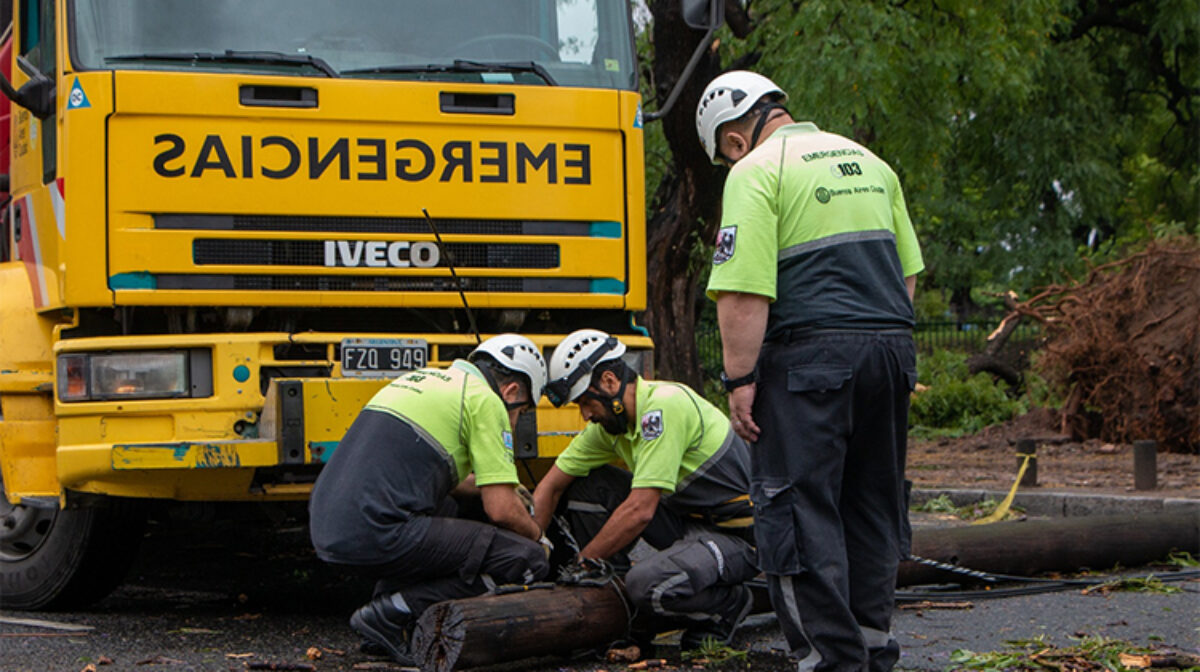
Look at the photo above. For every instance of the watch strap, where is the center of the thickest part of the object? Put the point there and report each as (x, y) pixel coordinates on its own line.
(732, 384)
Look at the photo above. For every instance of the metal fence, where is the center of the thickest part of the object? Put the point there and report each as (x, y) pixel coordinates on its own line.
(968, 336)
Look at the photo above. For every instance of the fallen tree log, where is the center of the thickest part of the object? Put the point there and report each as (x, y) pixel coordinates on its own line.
(1029, 547)
(460, 634)
(457, 634)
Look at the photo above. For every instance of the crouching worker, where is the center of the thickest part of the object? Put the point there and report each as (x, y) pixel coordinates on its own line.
(381, 506)
(687, 495)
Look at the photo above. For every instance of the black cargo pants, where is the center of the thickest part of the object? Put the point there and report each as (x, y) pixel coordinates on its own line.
(455, 558)
(829, 492)
(697, 575)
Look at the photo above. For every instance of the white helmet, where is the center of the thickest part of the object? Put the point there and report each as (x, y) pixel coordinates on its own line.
(728, 97)
(574, 359)
(519, 354)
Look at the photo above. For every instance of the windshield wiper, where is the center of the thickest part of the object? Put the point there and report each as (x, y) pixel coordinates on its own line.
(232, 56)
(460, 65)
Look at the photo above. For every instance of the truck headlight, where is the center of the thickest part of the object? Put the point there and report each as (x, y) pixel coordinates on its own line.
(157, 374)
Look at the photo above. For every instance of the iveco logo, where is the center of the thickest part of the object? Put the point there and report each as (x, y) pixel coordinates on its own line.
(381, 254)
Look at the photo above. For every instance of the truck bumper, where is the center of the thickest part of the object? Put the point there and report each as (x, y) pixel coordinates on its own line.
(302, 421)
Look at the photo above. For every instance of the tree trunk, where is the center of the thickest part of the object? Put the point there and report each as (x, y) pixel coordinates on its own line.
(497, 628)
(482, 630)
(684, 208)
(1025, 548)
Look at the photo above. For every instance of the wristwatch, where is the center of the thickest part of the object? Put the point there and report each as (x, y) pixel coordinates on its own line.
(731, 384)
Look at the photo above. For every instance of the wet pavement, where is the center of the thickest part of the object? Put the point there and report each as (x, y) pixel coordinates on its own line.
(233, 594)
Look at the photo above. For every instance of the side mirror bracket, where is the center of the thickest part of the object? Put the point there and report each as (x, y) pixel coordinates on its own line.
(700, 14)
(38, 95)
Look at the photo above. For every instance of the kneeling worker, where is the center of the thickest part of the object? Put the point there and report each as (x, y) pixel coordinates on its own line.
(381, 506)
(687, 495)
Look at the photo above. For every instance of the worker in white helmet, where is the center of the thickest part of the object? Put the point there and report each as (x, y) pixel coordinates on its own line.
(813, 276)
(381, 506)
(685, 492)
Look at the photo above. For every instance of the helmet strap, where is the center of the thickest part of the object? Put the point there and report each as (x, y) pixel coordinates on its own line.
(763, 117)
(617, 402)
(614, 403)
(485, 368)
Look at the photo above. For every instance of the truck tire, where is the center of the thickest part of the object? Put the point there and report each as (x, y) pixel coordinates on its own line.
(52, 558)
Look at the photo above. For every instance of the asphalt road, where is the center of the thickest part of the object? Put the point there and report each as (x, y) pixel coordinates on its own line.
(219, 595)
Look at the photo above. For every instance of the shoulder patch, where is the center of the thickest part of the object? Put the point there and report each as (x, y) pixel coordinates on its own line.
(508, 443)
(726, 240)
(652, 425)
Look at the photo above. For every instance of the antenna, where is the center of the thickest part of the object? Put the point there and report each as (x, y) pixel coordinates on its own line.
(457, 283)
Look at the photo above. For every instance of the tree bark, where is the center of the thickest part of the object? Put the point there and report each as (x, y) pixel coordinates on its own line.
(684, 209)
(478, 631)
(497, 628)
(989, 360)
(1025, 548)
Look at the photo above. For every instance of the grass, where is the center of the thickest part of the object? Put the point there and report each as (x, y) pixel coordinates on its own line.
(1182, 560)
(712, 654)
(1036, 655)
(1146, 584)
(943, 504)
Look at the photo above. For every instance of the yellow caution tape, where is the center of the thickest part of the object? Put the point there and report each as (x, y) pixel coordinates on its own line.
(1002, 510)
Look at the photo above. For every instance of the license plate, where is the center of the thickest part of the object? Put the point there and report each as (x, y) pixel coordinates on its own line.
(382, 357)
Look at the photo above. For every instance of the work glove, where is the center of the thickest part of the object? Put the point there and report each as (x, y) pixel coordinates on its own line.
(586, 572)
(547, 545)
(526, 498)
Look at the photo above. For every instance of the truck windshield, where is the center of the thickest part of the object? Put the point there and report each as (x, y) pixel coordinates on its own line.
(542, 42)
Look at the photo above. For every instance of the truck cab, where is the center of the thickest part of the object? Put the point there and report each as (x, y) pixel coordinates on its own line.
(230, 222)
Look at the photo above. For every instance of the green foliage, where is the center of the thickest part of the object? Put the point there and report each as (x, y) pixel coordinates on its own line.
(1028, 135)
(1039, 392)
(1137, 584)
(658, 153)
(939, 504)
(975, 511)
(932, 305)
(1183, 560)
(715, 393)
(942, 364)
(953, 403)
(713, 654)
(1038, 655)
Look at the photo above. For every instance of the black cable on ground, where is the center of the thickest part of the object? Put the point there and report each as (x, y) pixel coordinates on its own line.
(1037, 586)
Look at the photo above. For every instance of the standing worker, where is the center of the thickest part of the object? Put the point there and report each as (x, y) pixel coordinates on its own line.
(381, 506)
(813, 274)
(687, 495)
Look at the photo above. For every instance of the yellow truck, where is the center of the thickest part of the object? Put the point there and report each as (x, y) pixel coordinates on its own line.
(229, 222)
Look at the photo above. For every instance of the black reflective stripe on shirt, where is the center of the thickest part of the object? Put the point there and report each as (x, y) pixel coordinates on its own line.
(687, 480)
(718, 489)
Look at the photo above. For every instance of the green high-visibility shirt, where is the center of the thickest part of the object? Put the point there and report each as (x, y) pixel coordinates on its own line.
(458, 410)
(817, 223)
(679, 443)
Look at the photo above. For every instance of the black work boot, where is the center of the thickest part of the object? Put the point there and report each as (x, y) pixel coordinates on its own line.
(720, 632)
(382, 624)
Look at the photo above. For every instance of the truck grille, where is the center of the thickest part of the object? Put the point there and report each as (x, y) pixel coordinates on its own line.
(207, 251)
(350, 283)
(397, 225)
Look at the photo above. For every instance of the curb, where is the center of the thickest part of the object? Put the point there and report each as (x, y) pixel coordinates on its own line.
(1065, 505)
